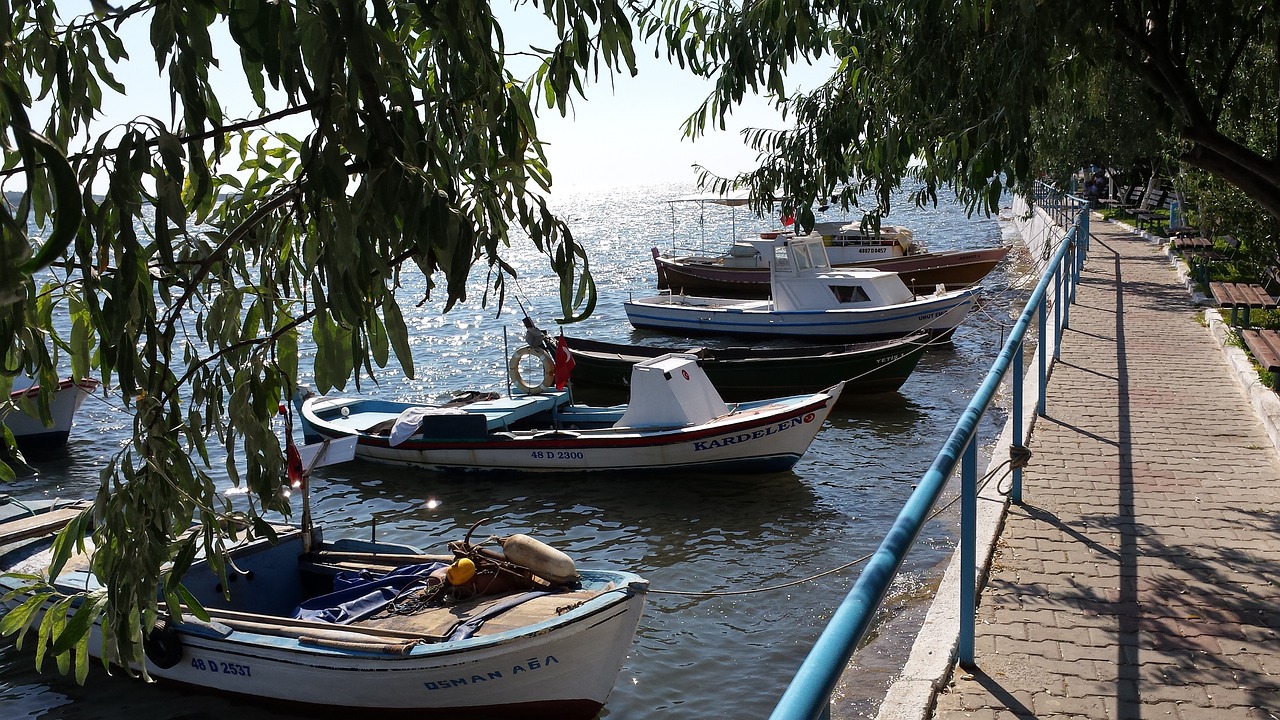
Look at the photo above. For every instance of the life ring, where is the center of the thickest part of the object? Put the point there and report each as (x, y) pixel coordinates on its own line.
(548, 368)
(163, 646)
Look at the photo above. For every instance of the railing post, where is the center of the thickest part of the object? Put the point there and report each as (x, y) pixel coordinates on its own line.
(1015, 493)
(1068, 281)
(968, 551)
(1041, 348)
(1084, 237)
(1058, 297)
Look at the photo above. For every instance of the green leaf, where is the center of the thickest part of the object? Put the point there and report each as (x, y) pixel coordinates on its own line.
(76, 631)
(18, 620)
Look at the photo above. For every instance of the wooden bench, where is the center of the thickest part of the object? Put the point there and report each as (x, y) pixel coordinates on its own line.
(1201, 252)
(1127, 197)
(1153, 215)
(1242, 296)
(1264, 345)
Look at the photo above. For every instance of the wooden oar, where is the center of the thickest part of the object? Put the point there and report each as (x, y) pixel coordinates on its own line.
(292, 627)
(36, 525)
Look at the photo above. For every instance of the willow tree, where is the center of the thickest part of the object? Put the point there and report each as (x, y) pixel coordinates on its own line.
(981, 96)
(215, 242)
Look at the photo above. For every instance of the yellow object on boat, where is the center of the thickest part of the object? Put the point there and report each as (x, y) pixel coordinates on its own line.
(461, 571)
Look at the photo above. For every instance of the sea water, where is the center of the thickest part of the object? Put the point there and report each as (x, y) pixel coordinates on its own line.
(733, 611)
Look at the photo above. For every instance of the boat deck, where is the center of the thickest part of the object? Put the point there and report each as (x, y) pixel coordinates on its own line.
(499, 414)
(504, 412)
(441, 621)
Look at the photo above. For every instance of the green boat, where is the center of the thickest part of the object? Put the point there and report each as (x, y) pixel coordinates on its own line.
(752, 373)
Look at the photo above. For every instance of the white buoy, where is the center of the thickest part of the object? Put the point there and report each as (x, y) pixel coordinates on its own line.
(539, 558)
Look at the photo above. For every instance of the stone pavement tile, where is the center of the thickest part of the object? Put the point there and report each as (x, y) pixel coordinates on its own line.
(1144, 711)
(1193, 695)
(1046, 705)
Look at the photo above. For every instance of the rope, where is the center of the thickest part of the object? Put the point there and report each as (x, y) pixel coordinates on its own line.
(1019, 456)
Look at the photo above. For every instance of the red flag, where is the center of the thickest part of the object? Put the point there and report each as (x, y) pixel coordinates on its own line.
(564, 363)
(293, 464)
(788, 220)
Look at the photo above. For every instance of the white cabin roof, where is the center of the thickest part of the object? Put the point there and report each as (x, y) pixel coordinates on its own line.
(671, 391)
(802, 278)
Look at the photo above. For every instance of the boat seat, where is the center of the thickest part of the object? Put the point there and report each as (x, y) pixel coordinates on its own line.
(503, 412)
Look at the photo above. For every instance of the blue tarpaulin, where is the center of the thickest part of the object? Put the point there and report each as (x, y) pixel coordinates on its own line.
(356, 595)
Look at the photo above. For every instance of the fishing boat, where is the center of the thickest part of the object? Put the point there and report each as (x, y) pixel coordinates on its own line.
(748, 373)
(742, 274)
(22, 414)
(675, 420)
(810, 299)
(367, 627)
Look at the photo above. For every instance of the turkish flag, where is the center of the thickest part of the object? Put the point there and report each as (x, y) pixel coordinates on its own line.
(564, 363)
(293, 465)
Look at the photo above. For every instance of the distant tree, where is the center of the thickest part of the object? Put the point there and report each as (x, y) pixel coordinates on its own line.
(984, 96)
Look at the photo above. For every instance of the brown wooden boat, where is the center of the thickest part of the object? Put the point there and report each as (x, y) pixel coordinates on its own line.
(922, 272)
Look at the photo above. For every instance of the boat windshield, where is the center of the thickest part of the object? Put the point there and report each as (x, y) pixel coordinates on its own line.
(849, 293)
(781, 260)
(806, 254)
(803, 260)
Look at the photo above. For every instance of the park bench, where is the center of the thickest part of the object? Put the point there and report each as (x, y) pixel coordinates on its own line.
(1126, 198)
(1201, 253)
(1153, 214)
(1264, 345)
(1241, 296)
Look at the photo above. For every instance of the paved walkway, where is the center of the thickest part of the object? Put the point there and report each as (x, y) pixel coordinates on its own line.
(1141, 577)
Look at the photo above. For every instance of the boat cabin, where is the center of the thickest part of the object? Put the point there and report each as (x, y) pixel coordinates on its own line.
(671, 391)
(802, 278)
(898, 239)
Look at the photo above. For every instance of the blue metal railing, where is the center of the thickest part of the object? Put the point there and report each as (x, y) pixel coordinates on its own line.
(808, 695)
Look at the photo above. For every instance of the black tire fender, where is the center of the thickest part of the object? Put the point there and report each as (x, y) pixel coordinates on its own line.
(163, 646)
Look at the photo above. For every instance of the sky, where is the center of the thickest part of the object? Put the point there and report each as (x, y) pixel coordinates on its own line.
(626, 133)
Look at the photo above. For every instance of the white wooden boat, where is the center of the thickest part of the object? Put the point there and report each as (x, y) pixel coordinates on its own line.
(545, 649)
(22, 415)
(810, 299)
(676, 420)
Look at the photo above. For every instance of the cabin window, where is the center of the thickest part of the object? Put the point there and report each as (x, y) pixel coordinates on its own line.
(780, 259)
(803, 261)
(849, 293)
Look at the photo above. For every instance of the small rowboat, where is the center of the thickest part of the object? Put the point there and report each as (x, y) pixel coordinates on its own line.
(23, 416)
(371, 627)
(726, 276)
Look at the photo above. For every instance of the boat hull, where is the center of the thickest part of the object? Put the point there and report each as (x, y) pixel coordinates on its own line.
(765, 438)
(938, 316)
(752, 373)
(32, 435)
(922, 272)
(569, 670)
